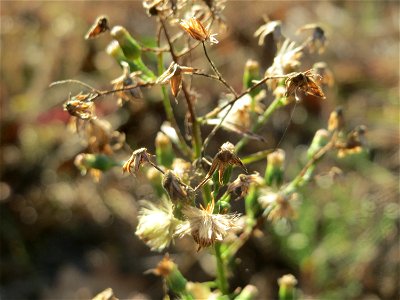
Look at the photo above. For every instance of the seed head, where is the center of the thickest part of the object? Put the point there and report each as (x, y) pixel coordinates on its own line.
(205, 226)
(157, 223)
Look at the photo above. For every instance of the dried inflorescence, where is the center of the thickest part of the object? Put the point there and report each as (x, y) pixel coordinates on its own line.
(138, 158)
(197, 31)
(127, 85)
(173, 173)
(176, 189)
(298, 84)
(225, 157)
(81, 106)
(243, 183)
(173, 76)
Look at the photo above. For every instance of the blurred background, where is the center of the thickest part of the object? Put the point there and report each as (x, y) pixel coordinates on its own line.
(63, 236)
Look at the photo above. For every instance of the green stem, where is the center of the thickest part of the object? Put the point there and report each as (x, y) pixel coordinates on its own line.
(256, 156)
(221, 276)
(261, 121)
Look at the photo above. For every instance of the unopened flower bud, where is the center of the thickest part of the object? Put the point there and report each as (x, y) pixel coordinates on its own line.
(155, 178)
(173, 277)
(251, 73)
(128, 44)
(87, 161)
(321, 138)
(336, 120)
(275, 168)
(164, 151)
(287, 290)
(249, 292)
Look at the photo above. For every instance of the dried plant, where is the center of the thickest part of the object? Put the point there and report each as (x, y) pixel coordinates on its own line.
(189, 180)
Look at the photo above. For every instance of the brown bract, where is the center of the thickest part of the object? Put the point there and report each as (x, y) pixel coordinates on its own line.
(173, 75)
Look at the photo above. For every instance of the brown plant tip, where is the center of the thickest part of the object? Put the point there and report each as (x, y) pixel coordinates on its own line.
(99, 26)
(303, 82)
(197, 31)
(138, 158)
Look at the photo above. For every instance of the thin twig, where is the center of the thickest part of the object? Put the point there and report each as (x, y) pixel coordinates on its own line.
(220, 78)
(74, 81)
(193, 117)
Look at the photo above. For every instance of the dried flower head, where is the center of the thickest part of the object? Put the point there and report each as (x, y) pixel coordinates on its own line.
(97, 135)
(355, 142)
(277, 205)
(286, 60)
(303, 82)
(197, 31)
(322, 69)
(205, 226)
(127, 79)
(176, 189)
(98, 27)
(316, 42)
(225, 157)
(157, 223)
(270, 27)
(243, 182)
(173, 75)
(157, 7)
(239, 115)
(138, 157)
(81, 106)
